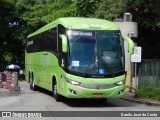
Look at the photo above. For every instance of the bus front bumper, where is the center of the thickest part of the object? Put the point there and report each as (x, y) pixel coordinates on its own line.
(74, 91)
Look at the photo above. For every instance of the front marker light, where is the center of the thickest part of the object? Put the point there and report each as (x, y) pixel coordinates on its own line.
(75, 83)
(119, 83)
(72, 82)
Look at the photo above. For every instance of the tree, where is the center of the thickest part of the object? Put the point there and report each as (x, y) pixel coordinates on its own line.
(41, 12)
(110, 9)
(146, 13)
(86, 8)
(5, 7)
(18, 18)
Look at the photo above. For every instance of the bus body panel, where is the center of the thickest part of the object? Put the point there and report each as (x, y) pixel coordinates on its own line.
(91, 86)
(79, 23)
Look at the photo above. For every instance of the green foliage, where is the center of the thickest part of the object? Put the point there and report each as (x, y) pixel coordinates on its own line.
(109, 9)
(7, 57)
(144, 12)
(18, 18)
(86, 8)
(5, 8)
(41, 12)
(148, 92)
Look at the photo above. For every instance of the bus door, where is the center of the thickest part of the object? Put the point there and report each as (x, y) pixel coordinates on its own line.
(45, 63)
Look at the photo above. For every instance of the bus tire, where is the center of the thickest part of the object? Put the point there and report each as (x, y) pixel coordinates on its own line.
(29, 75)
(57, 96)
(30, 81)
(32, 85)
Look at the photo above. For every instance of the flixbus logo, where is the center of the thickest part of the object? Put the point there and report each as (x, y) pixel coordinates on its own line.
(94, 26)
(98, 81)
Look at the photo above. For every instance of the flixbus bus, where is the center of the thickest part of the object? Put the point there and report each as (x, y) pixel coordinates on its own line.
(77, 58)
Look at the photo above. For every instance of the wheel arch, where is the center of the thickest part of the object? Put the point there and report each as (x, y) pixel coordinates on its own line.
(54, 80)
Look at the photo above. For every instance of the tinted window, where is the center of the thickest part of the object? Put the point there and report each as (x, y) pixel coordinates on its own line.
(43, 42)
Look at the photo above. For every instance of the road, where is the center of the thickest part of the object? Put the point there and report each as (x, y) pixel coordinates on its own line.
(42, 100)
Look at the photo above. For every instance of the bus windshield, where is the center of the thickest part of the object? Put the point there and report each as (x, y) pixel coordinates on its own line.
(95, 52)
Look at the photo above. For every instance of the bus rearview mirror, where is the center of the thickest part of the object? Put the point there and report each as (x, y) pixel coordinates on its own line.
(130, 43)
(64, 43)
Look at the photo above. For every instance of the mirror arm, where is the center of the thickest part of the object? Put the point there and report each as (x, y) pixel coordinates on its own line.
(130, 43)
(64, 43)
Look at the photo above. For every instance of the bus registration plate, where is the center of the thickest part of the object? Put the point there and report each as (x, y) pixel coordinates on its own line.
(97, 95)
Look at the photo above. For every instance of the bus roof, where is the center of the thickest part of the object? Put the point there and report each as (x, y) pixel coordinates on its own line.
(78, 23)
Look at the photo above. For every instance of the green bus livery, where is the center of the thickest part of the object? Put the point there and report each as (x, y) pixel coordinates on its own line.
(77, 58)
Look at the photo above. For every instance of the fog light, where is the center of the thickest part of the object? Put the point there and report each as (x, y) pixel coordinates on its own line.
(120, 92)
(72, 91)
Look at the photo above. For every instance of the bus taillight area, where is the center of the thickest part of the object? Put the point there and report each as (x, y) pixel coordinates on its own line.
(95, 88)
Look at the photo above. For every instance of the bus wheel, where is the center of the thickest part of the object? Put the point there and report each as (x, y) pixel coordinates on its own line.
(30, 81)
(57, 96)
(32, 85)
(29, 77)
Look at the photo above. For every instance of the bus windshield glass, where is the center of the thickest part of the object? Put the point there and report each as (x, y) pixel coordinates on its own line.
(95, 52)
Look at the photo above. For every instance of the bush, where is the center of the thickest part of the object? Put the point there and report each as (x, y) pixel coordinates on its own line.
(148, 92)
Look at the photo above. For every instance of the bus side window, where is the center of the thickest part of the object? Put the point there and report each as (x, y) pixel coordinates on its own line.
(50, 41)
(53, 40)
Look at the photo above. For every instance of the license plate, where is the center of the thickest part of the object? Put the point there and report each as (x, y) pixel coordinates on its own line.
(97, 95)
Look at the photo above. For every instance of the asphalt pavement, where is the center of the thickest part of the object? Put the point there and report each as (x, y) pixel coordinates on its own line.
(23, 84)
(42, 100)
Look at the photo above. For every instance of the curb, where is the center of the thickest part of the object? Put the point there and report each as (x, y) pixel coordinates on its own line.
(142, 102)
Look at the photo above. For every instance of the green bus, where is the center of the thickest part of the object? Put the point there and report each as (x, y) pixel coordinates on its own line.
(77, 58)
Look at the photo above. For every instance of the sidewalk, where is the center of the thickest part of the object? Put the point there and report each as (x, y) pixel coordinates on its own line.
(130, 97)
(6, 93)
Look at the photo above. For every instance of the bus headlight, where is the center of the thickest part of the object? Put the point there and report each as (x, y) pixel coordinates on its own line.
(72, 82)
(119, 83)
